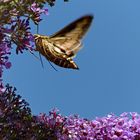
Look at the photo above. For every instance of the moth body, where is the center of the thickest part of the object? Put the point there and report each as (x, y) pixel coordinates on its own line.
(53, 53)
(61, 47)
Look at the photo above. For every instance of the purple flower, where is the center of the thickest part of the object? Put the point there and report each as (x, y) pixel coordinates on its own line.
(21, 35)
(15, 27)
(5, 46)
(37, 11)
(124, 127)
(16, 119)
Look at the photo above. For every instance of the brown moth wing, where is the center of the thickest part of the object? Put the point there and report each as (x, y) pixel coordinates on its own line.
(68, 46)
(78, 27)
(69, 37)
(53, 53)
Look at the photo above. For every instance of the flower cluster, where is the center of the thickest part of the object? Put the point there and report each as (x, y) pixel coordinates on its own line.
(15, 115)
(124, 127)
(17, 122)
(21, 36)
(5, 46)
(14, 26)
(15, 16)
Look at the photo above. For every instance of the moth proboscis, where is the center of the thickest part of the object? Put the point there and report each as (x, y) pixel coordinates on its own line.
(61, 47)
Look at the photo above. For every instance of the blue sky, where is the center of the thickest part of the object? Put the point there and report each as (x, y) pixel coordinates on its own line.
(109, 76)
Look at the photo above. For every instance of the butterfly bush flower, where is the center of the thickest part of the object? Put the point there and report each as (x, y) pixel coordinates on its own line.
(124, 127)
(17, 122)
(21, 35)
(15, 17)
(111, 127)
(4, 53)
(16, 119)
(37, 11)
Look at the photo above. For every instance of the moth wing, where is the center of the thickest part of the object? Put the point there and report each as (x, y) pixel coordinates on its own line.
(68, 46)
(69, 38)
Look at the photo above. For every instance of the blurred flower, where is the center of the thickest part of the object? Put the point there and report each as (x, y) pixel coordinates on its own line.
(17, 122)
(106, 128)
(5, 46)
(15, 16)
(15, 28)
(37, 11)
(21, 35)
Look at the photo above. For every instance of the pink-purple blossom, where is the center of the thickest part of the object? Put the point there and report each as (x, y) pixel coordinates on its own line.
(15, 17)
(112, 127)
(17, 120)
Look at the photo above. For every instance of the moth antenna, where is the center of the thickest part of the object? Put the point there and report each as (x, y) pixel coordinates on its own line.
(40, 58)
(33, 54)
(37, 28)
(52, 65)
(48, 61)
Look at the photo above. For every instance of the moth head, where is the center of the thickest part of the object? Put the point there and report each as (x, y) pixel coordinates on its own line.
(40, 41)
(36, 36)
